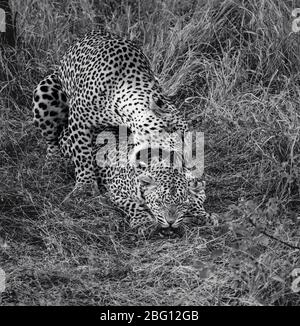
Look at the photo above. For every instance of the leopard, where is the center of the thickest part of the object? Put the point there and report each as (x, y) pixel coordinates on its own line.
(103, 80)
(156, 192)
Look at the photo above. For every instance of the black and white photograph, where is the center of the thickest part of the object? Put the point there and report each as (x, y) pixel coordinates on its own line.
(149, 155)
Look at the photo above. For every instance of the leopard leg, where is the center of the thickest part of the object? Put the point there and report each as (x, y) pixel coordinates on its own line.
(50, 112)
(201, 217)
(140, 219)
(80, 131)
(197, 212)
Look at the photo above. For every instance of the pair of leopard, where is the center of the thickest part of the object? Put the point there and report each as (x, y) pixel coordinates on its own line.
(105, 81)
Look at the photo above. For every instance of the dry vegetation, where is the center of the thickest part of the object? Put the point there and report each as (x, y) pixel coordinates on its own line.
(234, 69)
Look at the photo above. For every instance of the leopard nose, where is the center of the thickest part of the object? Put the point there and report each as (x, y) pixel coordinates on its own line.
(170, 221)
(173, 210)
(171, 215)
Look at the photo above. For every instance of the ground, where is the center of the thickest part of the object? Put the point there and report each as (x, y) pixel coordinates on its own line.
(235, 74)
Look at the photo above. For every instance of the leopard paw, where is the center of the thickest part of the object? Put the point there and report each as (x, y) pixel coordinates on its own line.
(213, 219)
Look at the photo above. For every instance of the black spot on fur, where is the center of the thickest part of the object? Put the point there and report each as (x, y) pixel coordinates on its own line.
(47, 97)
(63, 97)
(42, 106)
(55, 94)
(159, 103)
(44, 89)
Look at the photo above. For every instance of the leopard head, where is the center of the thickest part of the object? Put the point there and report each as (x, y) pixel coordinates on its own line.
(168, 194)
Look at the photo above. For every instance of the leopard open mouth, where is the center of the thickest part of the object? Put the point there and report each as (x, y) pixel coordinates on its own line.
(169, 232)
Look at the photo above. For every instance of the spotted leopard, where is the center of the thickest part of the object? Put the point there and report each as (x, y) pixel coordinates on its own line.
(155, 191)
(103, 80)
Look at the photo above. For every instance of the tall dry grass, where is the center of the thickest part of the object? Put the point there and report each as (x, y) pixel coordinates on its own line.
(233, 68)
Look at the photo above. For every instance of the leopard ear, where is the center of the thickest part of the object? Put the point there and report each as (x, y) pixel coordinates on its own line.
(157, 105)
(157, 101)
(140, 166)
(196, 186)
